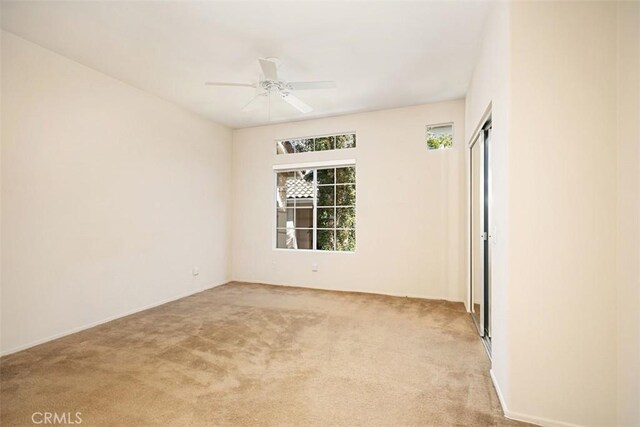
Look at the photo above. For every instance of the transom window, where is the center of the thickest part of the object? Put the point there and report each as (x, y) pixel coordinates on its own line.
(440, 136)
(317, 143)
(316, 209)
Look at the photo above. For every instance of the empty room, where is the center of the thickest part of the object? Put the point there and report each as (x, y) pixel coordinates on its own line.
(320, 213)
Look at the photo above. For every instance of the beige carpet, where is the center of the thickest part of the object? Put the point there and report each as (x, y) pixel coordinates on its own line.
(244, 354)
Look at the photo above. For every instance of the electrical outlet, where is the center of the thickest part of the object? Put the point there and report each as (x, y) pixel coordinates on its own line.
(195, 271)
(314, 267)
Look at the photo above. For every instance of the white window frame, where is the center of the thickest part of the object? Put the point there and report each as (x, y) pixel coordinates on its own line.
(327, 135)
(292, 167)
(437, 125)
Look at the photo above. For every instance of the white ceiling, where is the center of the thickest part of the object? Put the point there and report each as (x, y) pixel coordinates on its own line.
(381, 54)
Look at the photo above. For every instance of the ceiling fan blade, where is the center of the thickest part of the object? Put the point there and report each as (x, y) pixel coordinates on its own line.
(230, 84)
(312, 85)
(253, 104)
(269, 69)
(295, 102)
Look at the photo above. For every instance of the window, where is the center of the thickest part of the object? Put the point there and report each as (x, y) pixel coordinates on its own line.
(318, 143)
(316, 209)
(440, 136)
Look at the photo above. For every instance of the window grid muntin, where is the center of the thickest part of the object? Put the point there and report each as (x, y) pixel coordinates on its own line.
(334, 136)
(315, 208)
(335, 185)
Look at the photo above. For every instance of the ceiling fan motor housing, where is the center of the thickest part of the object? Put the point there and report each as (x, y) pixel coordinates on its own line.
(275, 86)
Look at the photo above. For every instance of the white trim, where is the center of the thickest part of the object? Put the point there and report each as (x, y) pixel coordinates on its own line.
(314, 165)
(474, 137)
(108, 319)
(320, 251)
(546, 422)
(441, 125)
(483, 120)
(280, 141)
(324, 135)
(498, 392)
(315, 208)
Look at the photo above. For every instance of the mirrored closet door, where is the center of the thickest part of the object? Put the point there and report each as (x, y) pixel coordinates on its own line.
(479, 228)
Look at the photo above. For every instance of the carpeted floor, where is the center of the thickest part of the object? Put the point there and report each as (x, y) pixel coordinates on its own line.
(246, 354)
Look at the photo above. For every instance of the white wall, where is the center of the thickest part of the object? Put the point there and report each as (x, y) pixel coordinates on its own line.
(562, 212)
(489, 88)
(1, 67)
(410, 206)
(549, 71)
(110, 196)
(561, 77)
(629, 213)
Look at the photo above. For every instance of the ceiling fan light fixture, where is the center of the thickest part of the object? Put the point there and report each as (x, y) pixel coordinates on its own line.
(271, 83)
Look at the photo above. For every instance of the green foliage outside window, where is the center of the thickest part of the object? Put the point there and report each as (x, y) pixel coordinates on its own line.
(319, 143)
(325, 143)
(345, 240)
(345, 141)
(332, 195)
(336, 214)
(439, 137)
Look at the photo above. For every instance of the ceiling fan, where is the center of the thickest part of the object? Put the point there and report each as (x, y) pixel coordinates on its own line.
(270, 83)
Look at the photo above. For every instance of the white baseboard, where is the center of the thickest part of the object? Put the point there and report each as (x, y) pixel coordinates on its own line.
(108, 319)
(391, 294)
(524, 417)
(498, 392)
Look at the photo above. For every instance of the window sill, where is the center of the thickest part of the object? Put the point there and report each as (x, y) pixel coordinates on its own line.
(313, 251)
